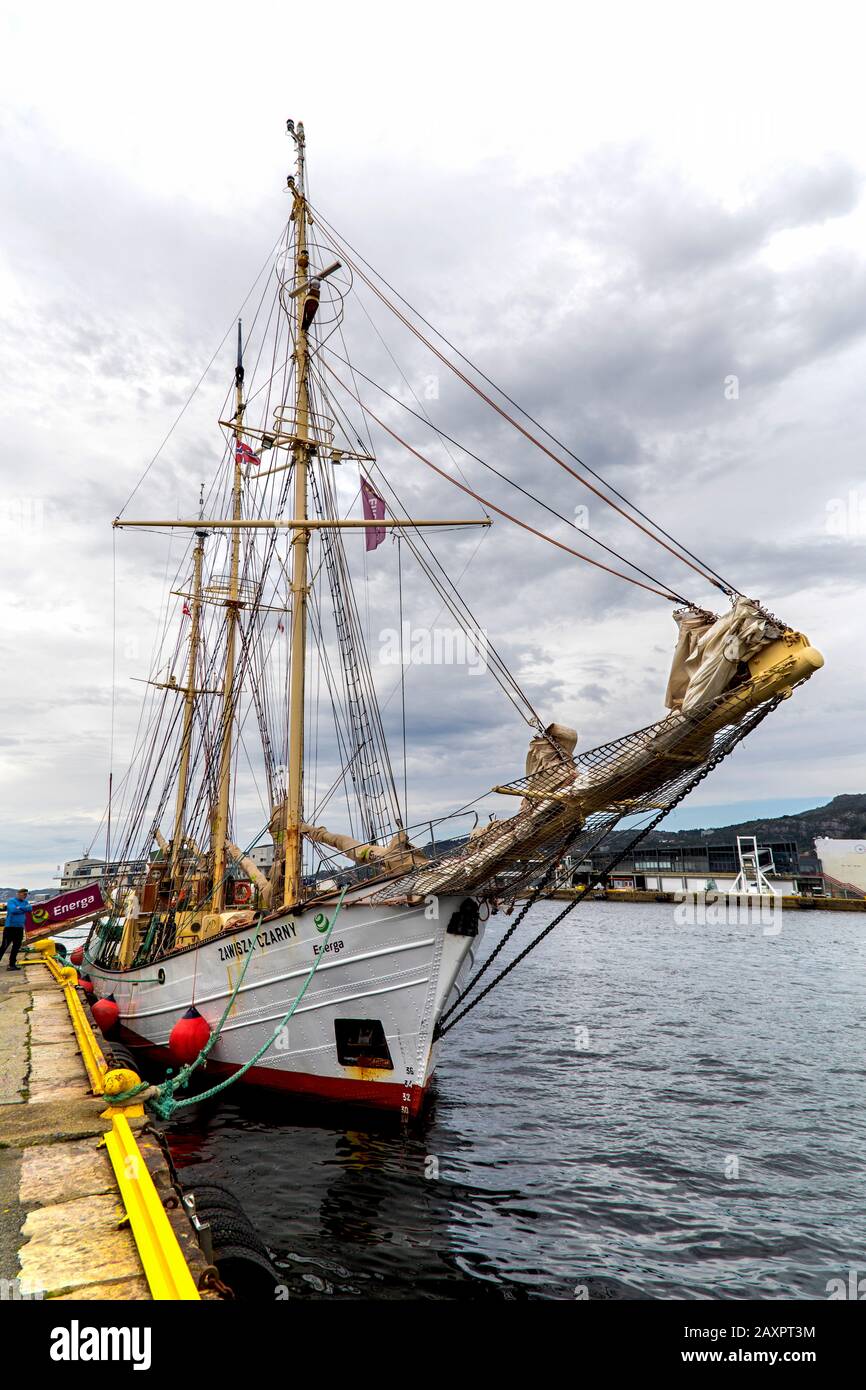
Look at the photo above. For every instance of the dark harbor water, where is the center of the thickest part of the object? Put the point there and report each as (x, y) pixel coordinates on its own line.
(704, 1138)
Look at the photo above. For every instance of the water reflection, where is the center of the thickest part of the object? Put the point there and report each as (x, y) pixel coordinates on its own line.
(542, 1170)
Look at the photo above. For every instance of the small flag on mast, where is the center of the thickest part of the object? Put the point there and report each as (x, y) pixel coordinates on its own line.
(374, 510)
(244, 454)
(280, 627)
(186, 610)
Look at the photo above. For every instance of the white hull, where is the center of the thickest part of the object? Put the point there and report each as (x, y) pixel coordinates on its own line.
(397, 966)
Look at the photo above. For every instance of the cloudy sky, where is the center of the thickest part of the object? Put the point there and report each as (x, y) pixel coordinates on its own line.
(613, 210)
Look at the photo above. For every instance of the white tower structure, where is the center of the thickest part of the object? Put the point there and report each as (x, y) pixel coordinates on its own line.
(751, 878)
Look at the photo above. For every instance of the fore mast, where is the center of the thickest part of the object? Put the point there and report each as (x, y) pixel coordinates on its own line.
(305, 295)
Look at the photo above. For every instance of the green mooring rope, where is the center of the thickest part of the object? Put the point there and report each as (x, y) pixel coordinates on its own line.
(187, 1070)
(164, 1104)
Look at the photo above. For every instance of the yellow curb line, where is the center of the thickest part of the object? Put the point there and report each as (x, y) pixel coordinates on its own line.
(162, 1259)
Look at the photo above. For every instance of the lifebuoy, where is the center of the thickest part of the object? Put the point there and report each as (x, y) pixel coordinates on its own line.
(243, 892)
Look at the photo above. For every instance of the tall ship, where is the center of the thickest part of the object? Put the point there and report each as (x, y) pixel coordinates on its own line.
(331, 953)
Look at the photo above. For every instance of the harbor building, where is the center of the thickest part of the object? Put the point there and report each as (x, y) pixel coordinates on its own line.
(701, 867)
(78, 872)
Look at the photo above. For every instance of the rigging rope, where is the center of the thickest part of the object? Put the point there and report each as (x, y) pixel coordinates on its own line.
(425, 419)
(551, 540)
(216, 354)
(682, 551)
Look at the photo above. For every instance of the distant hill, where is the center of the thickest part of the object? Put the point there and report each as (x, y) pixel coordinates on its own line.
(843, 818)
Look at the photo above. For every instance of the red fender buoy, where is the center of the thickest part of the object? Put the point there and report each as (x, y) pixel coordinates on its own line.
(85, 983)
(105, 1014)
(77, 957)
(188, 1037)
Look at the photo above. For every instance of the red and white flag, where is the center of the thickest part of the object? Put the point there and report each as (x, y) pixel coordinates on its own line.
(186, 610)
(280, 627)
(374, 510)
(244, 454)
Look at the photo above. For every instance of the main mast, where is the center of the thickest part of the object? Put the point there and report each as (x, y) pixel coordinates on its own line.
(300, 541)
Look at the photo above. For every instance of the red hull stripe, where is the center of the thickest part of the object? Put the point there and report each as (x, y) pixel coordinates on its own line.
(386, 1095)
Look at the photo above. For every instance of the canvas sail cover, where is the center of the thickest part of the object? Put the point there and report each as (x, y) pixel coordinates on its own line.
(692, 625)
(395, 857)
(710, 651)
(554, 747)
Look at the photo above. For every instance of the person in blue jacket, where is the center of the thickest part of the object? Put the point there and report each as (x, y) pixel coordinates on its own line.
(17, 909)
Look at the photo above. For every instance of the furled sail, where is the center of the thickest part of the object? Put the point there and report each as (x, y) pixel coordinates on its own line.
(555, 746)
(710, 650)
(395, 857)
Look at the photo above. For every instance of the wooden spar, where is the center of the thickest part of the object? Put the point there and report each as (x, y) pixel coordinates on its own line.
(307, 523)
